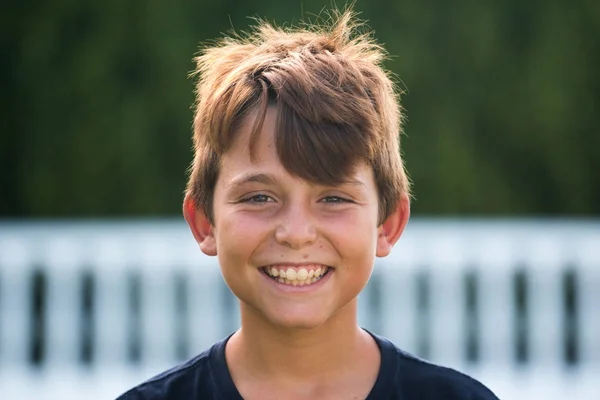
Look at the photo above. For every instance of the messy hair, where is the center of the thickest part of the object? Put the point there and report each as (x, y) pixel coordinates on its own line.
(336, 105)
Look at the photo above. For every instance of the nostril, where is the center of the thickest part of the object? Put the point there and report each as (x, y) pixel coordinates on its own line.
(296, 235)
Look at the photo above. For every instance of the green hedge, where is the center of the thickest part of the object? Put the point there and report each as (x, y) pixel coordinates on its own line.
(503, 101)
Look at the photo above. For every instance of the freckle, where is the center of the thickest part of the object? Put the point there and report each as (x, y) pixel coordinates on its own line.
(281, 256)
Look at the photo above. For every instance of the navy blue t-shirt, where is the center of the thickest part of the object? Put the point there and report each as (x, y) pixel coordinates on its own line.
(401, 376)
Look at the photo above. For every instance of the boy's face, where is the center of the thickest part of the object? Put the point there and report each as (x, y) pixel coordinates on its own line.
(266, 219)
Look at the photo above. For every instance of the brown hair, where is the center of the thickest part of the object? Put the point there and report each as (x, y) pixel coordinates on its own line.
(335, 103)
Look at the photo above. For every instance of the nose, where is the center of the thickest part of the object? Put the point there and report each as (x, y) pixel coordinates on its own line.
(296, 228)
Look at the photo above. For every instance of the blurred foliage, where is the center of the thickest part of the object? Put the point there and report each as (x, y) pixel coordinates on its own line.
(502, 99)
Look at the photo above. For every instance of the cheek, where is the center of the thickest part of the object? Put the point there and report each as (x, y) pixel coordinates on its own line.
(355, 238)
(238, 235)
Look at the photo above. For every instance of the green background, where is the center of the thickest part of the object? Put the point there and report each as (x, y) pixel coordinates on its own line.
(502, 98)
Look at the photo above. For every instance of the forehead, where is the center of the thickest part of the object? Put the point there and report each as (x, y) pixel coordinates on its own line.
(248, 144)
(270, 147)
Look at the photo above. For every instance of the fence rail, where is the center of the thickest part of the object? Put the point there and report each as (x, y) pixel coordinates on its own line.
(498, 298)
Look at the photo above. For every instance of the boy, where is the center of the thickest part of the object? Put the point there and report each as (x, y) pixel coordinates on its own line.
(297, 185)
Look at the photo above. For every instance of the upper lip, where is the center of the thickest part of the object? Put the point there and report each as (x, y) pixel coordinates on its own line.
(293, 264)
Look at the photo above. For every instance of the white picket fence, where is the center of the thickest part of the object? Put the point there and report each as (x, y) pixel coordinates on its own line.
(88, 309)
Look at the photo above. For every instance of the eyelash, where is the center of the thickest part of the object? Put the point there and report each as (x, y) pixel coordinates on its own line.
(253, 198)
(326, 199)
(337, 200)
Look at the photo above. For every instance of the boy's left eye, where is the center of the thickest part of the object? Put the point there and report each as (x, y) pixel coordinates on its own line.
(334, 199)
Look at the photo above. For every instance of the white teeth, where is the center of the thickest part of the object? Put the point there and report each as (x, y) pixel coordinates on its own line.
(294, 277)
(302, 274)
(291, 274)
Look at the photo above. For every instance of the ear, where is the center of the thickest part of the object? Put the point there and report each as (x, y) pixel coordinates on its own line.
(390, 231)
(200, 226)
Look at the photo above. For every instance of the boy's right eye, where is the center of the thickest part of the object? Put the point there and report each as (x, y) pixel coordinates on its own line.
(257, 198)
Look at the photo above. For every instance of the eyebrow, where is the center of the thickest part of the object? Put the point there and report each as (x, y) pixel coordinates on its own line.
(353, 182)
(251, 177)
(270, 180)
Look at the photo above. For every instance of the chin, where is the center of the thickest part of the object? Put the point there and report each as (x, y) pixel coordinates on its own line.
(297, 322)
(298, 325)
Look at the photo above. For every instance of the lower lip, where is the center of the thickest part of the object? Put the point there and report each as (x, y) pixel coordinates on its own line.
(304, 288)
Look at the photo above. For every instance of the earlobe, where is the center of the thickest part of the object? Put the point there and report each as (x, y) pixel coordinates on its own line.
(392, 228)
(200, 226)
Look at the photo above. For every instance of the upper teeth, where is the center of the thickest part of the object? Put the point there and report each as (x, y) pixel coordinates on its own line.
(296, 276)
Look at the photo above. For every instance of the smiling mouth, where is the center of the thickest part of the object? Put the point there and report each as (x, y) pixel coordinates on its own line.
(297, 276)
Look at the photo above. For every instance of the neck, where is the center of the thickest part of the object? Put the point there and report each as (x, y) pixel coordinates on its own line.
(324, 352)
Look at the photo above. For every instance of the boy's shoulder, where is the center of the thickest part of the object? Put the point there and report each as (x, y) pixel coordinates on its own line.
(203, 377)
(401, 376)
(410, 377)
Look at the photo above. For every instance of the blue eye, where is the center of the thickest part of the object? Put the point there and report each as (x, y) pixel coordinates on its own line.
(259, 198)
(334, 200)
